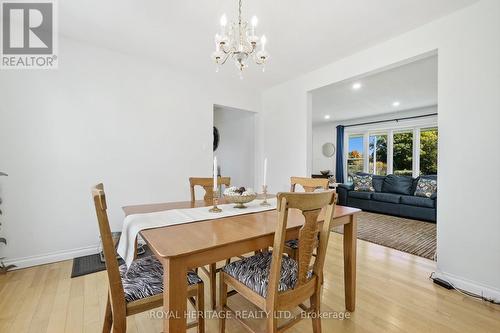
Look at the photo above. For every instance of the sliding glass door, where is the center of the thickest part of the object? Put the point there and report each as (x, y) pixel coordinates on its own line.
(378, 154)
(403, 153)
(428, 151)
(355, 156)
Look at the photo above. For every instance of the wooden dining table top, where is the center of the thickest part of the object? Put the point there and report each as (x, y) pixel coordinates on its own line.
(189, 238)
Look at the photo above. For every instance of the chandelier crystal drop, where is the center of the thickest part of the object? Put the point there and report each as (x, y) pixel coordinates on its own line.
(239, 42)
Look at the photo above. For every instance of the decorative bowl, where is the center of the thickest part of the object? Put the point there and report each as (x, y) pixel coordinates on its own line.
(240, 200)
(325, 172)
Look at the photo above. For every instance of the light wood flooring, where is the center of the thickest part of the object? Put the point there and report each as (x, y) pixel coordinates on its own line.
(394, 294)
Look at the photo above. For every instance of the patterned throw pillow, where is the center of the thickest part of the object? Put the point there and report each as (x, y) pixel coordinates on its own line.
(426, 187)
(363, 183)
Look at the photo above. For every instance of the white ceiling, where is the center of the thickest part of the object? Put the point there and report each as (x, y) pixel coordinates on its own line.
(302, 35)
(413, 85)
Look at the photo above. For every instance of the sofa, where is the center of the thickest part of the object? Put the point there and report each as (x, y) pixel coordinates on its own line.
(392, 195)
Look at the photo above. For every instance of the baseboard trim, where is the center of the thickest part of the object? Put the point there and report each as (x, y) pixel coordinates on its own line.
(470, 286)
(52, 257)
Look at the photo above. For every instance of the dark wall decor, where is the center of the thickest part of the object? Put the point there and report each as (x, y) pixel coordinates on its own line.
(3, 268)
(216, 138)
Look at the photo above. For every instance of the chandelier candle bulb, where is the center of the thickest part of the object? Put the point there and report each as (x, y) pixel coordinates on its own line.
(263, 41)
(223, 20)
(217, 43)
(223, 23)
(255, 21)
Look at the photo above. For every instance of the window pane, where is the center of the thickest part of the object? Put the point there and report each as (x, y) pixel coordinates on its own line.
(378, 154)
(355, 156)
(403, 153)
(428, 151)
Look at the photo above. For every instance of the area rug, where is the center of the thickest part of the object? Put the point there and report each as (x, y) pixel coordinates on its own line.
(411, 236)
(92, 263)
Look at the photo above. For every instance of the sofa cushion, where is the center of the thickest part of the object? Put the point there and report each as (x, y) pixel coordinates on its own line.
(361, 195)
(418, 201)
(378, 182)
(398, 184)
(386, 197)
(426, 187)
(363, 183)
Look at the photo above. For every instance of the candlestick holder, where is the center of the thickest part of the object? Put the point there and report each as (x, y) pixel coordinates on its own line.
(264, 192)
(215, 209)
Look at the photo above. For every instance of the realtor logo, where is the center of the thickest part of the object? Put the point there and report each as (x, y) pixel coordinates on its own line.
(28, 35)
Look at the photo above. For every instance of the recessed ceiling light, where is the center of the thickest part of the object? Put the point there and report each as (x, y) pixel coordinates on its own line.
(327, 117)
(356, 86)
(396, 104)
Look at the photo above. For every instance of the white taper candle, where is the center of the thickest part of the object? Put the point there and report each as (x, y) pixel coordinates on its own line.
(215, 173)
(265, 171)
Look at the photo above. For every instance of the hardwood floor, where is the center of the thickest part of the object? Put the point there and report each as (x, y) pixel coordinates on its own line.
(394, 295)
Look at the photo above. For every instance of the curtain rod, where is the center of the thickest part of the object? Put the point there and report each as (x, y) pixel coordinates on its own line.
(397, 119)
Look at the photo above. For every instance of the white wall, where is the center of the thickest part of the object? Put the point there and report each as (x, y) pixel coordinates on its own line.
(236, 151)
(141, 128)
(322, 134)
(468, 44)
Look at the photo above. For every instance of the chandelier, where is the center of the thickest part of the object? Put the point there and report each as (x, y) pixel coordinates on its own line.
(239, 42)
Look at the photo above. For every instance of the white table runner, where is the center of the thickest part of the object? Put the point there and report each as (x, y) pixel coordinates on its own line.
(135, 223)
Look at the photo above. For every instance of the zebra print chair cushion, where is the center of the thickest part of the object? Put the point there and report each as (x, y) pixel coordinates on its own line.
(292, 243)
(254, 272)
(144, 278)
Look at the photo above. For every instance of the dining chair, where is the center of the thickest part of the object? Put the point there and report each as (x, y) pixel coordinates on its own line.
(140, 287)
(309, 185)
(275, 282)
(208, 184)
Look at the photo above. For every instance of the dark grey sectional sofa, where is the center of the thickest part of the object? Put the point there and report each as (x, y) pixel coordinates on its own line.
(394, 195)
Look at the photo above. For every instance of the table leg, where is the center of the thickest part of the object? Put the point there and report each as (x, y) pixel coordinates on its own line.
(174, 296)
(350, 240)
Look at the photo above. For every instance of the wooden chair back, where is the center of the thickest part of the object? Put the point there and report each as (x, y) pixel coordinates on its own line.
(116, 293)
(208, 186)
(310, 205)
(309, 184)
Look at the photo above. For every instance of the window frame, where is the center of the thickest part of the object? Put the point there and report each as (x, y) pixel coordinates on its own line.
(389, 128)
(425, 129)
(375, 134)
(413, 160)
(363, 135)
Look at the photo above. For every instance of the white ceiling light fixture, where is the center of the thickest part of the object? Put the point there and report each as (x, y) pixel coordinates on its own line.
(396, 104)
(240, 42)
(327, 116)
(356, 86)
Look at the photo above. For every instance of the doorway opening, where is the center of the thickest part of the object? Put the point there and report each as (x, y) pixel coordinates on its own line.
(234, 133)
(384, 126)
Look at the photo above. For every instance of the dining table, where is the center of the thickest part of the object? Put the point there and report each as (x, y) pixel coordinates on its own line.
(186, 246)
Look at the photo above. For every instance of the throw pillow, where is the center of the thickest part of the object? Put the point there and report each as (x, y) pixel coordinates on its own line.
(398, 184)
(426, 187)
(363, 183)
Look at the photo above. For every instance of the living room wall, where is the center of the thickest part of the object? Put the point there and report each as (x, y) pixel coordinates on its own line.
(469, 81)
(140, 127)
